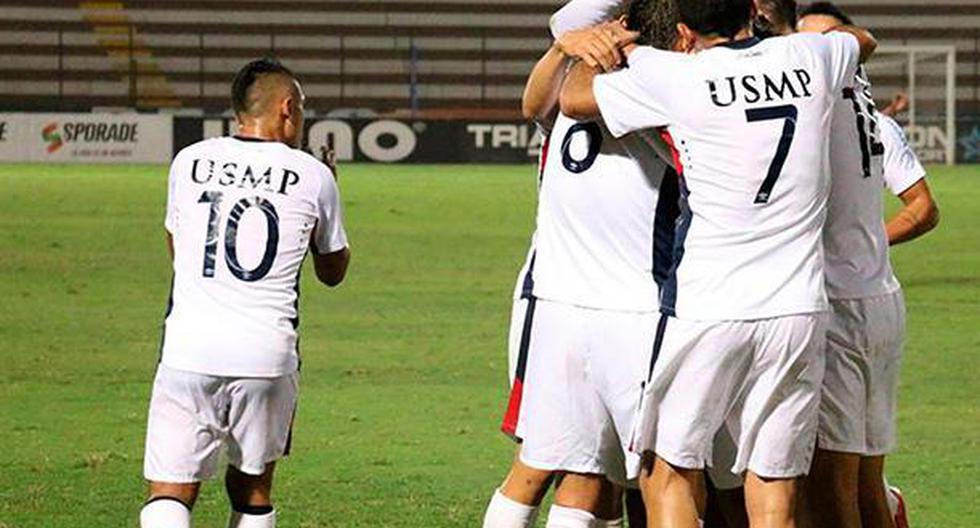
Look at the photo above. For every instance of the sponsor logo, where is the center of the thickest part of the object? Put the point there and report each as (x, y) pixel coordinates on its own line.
(51, 136)
(505, 135)
(929, 142)
(3, 131)
(970, 143)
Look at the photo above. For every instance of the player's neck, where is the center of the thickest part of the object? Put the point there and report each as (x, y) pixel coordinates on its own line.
(263, 129)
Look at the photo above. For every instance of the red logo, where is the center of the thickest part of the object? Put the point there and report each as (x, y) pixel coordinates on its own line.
(50, 134)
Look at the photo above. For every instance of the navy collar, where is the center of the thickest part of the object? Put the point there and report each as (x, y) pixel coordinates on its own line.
(252, 139)
(742, 43)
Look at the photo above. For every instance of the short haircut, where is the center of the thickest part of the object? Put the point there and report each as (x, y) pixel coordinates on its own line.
(724, 18)
(828, 9)
(655, 20)
(241, 96)
(781, 12)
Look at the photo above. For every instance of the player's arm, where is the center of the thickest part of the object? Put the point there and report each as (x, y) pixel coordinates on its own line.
(919, 215)
(331, 268)
(577, 98)
(598, 46)
(866, 41)
(328, 243)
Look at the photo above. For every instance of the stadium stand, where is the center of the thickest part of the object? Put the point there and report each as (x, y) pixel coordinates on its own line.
(468, 56)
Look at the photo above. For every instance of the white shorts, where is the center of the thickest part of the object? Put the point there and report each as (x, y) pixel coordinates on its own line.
(578, 375)
(193, 415)
(864, 354)
(760, 379)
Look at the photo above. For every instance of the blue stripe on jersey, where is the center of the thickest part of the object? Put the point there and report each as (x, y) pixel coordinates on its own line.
(663, 226)
(527, 288)
(166, 314)
(669, 296)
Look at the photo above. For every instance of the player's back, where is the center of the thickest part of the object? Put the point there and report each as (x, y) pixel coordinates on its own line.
(601, 209)
(855, 243)
(749, 121)
(241, 212)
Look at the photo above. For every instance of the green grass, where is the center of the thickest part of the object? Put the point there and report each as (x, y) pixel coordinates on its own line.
(404, 374)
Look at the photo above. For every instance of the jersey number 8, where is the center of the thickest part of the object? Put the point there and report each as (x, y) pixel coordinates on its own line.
(231, 236)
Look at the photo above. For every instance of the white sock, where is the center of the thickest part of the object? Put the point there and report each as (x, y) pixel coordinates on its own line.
(615, 523)
(562, 517)
(508, 513)
(165, 513)
(248, 520)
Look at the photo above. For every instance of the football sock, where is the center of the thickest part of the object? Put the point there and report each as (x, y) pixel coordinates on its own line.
(165, 512)
(562, 517)
(508, 513)
(605, 523)
(253, 517)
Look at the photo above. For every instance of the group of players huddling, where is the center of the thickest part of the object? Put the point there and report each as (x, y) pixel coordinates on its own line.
(708, 288)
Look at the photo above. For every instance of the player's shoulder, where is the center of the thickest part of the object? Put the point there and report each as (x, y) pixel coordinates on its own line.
(205, 145)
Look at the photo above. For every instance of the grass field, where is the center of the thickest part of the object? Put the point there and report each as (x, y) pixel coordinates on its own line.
(404, 374)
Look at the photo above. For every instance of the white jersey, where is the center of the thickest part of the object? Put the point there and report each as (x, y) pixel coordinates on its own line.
(901, 166)
(578, 14)
(605, 220)
(242, 213)
(855, 242)
(749, 120)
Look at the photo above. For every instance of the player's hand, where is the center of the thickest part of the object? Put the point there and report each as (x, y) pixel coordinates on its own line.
(598, 46)
(329, 158)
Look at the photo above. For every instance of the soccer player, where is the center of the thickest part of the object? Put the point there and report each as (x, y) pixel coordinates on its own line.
(740, 344)
(242, 212)
(585, 304)
(867, 319)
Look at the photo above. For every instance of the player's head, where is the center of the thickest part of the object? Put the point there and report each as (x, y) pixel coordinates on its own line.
(704, 20)
(819, 17)
(656, 21)
(267, 94)
(774, 17)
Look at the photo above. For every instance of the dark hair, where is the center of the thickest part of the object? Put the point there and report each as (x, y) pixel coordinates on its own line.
(724, 18)
(246, 77)
(655, 20)
(776, 14)
(828, 9)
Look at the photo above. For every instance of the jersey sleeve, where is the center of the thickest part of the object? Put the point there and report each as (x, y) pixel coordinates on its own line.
(579, 14)
(902, 168)
(329, 235)
(841, 53)
(639, 96)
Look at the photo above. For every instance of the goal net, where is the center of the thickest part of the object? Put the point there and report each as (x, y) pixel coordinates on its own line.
(927, 77)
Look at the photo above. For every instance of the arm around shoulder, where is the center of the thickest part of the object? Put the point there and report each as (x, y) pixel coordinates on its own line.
(867, 44)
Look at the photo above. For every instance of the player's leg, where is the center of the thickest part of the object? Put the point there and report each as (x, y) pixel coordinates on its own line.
(771, 503)
(873, 495)
(699, 370)
(260, 417)
(674, 496)
(251, 498)
(885, 318)
(580, 499)
(832, 493)
(515, 503)
(636, 511)
(182, 444)
(775, 424)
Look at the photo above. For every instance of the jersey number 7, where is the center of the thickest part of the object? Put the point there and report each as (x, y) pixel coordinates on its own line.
(788, 113)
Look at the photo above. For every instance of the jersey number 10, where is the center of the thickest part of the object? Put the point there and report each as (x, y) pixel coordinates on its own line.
(231, 236)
